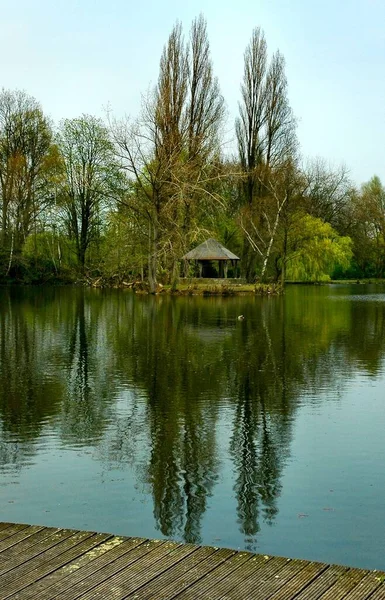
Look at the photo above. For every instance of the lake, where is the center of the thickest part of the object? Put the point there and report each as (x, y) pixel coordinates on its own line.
(169, 417)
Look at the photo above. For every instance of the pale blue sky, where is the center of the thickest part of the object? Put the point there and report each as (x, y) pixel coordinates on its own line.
(79, 56)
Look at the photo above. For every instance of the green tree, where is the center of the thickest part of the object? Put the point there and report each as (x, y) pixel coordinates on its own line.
(92, 179)
(368, 209)
(26, 159)
(267, 144)
(315, 249)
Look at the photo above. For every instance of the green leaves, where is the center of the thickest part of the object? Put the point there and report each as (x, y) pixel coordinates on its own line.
(315, 250)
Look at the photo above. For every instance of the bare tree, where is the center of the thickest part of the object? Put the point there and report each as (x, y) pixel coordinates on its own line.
(280, 143)
(171, 93)
(251, 122)
(205, 104)
(266, 143)
(329, 194)
(170, 152)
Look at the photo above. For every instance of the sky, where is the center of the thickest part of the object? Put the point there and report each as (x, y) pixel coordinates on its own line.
(87, 56)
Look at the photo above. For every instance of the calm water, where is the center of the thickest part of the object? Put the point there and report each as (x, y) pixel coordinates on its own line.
(168, 417)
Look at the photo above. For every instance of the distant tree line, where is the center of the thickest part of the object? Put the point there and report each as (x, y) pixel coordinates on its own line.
(125, 199)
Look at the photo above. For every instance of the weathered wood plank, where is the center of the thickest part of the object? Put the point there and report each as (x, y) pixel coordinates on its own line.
(175, 585)
(264, 587)
(178, 574)
(11, 529)
(45, 563)
(379, 594)
(15, 559)
(140, 573)
(322, 583)
(213, 568)
(20, 535)
(153, 547)
(48, 564)
(364, 590)
(345, 584)
(219, 579)
(299, 582)
(4, 527)
(257, 581)
(78, 570)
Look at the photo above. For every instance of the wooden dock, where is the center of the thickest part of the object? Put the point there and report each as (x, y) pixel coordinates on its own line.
(43, 563)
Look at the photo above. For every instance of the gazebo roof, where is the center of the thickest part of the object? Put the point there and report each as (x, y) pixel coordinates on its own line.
(210, 250)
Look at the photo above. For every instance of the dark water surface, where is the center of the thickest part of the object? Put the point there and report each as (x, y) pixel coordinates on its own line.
(168, 417)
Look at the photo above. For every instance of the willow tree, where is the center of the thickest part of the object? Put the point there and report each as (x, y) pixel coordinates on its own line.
(315, 250)
(266, 138)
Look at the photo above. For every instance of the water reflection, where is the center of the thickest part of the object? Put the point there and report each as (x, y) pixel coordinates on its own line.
(153, 383)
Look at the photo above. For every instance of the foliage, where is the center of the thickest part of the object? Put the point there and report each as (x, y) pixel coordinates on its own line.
(124, 201)
(316, 250)
(91, 179)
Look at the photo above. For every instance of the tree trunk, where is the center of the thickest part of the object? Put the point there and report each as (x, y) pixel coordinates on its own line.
(10, 255)
(284, 254)
(153, 256)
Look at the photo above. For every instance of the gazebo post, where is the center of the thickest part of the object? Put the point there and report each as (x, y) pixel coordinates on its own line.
(200, 265)
(226, 267)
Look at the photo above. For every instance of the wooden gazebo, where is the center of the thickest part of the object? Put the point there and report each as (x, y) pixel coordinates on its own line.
(208, 252)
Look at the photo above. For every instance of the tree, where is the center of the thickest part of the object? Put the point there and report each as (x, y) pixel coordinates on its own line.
(197, 169)
(266, 143)
(170, 152)
(315, 249)
(262, 223)
(92, 179)
(328, 194)
(368, 229)
(26, 161)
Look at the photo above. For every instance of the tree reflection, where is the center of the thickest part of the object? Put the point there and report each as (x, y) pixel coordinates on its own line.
(151, 382)
(85, 404)
(29, 395)
(183, 463)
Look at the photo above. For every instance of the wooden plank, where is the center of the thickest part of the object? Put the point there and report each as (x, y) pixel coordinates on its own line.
(322, 583)
(5, 526)
(11, 530)
(248, 587)
(13, 560)
(344, 585)
(141, 572)
(222, 583)
(46, 564)
(49, 561)
(263, 587)
(20, 535)
(75, 572)
(379, 594)
(215, 563)
(300, 581)
(364, 590)
(177, 574)
(97, 575)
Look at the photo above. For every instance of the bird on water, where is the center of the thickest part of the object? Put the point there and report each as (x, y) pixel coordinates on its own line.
(241, 318)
